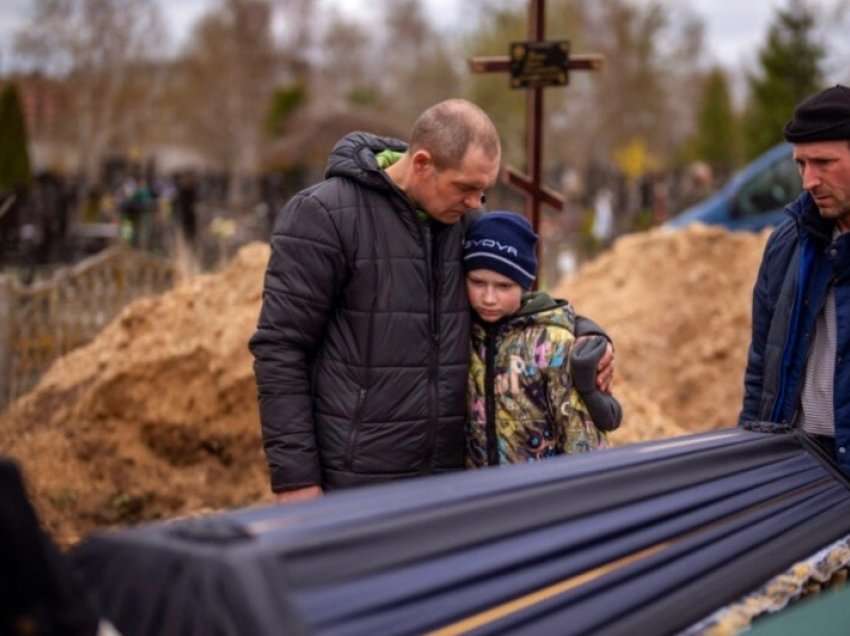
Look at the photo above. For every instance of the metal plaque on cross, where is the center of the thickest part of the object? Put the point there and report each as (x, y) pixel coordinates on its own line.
(539, 64)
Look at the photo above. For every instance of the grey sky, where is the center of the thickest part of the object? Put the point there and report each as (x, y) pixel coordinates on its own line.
(734, 28)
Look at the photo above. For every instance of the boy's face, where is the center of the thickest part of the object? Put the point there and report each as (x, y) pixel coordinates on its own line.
(492, 295)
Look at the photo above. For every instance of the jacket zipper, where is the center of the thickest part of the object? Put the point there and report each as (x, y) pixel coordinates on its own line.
(431, 262)
(490, 398)
(797, 412)
(354, 433)
(436, 285)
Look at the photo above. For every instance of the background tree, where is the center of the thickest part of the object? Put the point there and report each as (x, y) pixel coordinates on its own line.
(417, 66)
(15, 170)
(717, 140)
(653, 51)
(789, 71)
(347, 72)
(285, 100)
(98, 47)
(227, 78)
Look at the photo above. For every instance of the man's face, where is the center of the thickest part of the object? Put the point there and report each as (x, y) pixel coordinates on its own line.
(825, 170)
(492, 295)
(446, 194)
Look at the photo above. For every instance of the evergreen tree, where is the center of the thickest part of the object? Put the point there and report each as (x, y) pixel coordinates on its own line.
(716, 139)
(790, 71)
(14, 158)
(285, 100)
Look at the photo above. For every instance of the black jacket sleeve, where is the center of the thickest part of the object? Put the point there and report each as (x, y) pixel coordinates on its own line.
(586, 327)
(604, 409)
(306, 271)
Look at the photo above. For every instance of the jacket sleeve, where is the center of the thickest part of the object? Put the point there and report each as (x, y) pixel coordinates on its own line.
(762, 316)
(586, 327)
(306, 271)
(604, 409)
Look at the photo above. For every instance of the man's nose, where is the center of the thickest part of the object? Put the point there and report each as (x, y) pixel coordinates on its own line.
(489, 294)
(473, 200)
(810, 178)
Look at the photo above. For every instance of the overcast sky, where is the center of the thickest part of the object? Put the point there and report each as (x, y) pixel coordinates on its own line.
(734, 28)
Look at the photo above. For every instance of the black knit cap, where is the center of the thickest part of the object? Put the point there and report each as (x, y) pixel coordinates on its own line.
(822, 117)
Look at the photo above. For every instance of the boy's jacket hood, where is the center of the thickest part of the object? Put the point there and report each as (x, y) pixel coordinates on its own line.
(539, 307)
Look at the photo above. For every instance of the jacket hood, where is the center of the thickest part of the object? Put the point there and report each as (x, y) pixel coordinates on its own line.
(538, 301)
(540, 308)
(808, 219)
(353, 157)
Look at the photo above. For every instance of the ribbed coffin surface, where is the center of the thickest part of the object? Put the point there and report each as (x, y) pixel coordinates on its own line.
(644, 539)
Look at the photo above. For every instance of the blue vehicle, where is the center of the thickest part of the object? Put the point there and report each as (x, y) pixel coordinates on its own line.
(752, 199)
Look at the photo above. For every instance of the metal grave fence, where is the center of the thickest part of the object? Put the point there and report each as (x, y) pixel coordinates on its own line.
(41, 323)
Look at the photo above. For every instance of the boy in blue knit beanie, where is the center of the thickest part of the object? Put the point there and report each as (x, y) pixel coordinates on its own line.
(532, 388)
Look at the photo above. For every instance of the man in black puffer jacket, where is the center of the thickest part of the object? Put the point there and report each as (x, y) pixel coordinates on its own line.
(361, 352)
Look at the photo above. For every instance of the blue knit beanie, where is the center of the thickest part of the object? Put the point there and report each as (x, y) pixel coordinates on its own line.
(504, 243)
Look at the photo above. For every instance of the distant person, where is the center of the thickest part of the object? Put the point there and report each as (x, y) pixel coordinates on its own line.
(698, 185)
(185, 202)
(532, 390)
(48, 208)
(11, 204)
(798, 372)
(603, 216)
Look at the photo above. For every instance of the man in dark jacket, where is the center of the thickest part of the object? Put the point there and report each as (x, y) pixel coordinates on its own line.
(798, 372)
(361, 352)
(40, 595)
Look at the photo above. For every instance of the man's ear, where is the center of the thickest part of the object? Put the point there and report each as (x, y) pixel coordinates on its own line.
(422, 162)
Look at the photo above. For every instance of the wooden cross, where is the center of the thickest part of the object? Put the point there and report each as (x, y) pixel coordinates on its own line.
(530, 182)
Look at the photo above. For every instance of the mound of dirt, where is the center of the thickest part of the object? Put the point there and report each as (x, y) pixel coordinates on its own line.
(677, 305)
(156, 417)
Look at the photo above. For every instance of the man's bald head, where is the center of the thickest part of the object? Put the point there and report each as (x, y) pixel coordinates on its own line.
(448, 129)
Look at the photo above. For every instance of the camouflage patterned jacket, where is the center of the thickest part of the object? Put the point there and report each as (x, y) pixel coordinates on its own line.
(521, 402)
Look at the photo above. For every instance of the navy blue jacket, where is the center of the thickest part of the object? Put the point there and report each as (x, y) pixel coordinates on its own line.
(801, 262)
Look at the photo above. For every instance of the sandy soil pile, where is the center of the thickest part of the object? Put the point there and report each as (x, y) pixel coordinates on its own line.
(158, 417)
(677, 305)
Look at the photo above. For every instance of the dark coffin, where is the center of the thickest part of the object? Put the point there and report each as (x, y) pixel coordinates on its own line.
(645, 539)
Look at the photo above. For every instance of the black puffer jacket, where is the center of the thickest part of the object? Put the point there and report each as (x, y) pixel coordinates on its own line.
(361, 352)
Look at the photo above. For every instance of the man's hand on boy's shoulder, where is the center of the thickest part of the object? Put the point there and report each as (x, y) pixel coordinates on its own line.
(605, 369)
